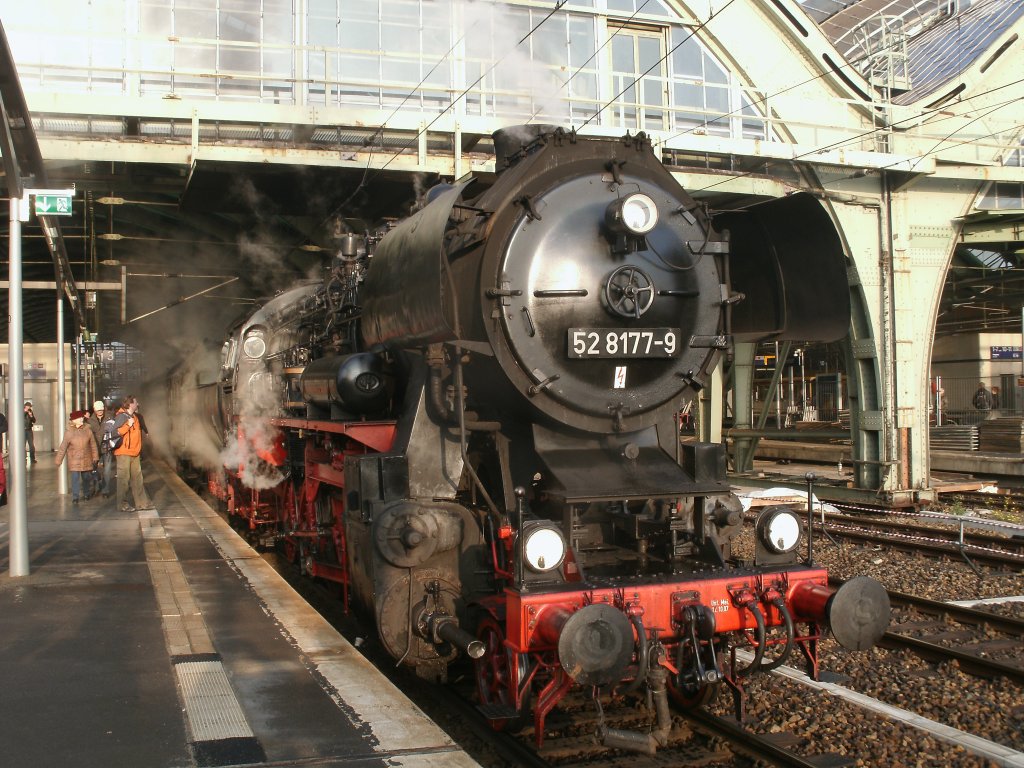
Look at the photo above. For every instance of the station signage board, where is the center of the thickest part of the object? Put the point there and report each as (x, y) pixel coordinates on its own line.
(1004, 353)
(53, 205)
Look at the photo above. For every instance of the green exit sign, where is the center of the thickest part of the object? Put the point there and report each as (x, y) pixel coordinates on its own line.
(53, 205)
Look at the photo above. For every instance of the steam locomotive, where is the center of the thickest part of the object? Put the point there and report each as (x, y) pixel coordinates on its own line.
(470, 426)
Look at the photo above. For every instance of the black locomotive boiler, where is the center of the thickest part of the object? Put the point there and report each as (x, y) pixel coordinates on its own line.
(470, 424)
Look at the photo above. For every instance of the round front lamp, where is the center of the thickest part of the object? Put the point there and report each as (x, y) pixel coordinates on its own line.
(779, 529)
(254, 346)
(543, 549)
(635, 214)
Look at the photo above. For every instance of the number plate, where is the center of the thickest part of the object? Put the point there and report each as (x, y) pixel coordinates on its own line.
(624, 343)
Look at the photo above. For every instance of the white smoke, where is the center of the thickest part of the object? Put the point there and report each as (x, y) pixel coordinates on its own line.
(179, 410)
(251, 447)
(510, 68)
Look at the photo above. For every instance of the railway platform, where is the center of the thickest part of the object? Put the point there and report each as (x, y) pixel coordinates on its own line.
(160, 638)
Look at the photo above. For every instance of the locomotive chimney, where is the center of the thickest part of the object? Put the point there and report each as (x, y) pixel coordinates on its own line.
(509, 141)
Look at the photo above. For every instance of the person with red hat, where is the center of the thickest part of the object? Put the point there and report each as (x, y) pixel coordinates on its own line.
(80, 448)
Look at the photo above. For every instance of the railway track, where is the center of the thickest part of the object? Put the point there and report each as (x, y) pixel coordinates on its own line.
(1003, 551)
(1005, 498)
(956, 633)
(1005, 537)
(972, 553)
(697, 737)
(947, 632)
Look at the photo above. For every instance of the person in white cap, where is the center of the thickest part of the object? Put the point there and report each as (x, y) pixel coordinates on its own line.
(80, 448)
(104, 473)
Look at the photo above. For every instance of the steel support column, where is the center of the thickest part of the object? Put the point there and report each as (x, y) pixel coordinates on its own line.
(62, 409)
(17, 496)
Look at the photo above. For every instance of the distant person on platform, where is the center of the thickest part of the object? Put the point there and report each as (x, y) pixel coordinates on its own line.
(105, 468)
(3, 472)
(30, 439)
(982, 398)
(129, 465)
(80, 448)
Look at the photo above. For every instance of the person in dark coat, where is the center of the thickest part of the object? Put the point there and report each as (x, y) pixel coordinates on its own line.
(82, 454)
(30, 439)
(104, 474)
(3, 472)
(982, 398)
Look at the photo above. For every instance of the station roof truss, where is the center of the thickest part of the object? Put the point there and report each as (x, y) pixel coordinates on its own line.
(944, 37)
(984, 290)
(178, 195)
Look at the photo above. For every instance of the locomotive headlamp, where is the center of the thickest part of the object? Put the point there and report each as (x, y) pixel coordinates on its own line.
(543, 548)
(254, 346)
(635, 214)
(779, 529)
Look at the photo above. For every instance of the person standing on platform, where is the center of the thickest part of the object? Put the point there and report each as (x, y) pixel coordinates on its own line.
(3, 472)
(129, 465)
(30, 440)
(982, 398)
(105, 468)
(80, 448)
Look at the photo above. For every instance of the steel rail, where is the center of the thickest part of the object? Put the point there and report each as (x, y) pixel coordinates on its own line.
(756, 745)
(963, 614)
(951, 549)
(951, 534)
(968, 662)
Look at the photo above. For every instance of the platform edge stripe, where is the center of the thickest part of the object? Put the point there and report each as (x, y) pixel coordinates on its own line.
(452, 757)
(354, 683)
(213, 710)
(349, 675)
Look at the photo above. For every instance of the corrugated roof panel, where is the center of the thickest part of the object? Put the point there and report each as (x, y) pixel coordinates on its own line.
(938, 54)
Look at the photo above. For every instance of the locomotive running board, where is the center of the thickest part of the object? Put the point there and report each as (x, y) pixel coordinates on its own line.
(591, 469)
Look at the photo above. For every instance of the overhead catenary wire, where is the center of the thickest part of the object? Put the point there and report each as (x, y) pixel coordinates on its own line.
(850, 63)
(600, 48)
(835, 145)
(657, 64)
(362, 184)
(694, 30)
(558, 5)
(379, 132)
(845, 142)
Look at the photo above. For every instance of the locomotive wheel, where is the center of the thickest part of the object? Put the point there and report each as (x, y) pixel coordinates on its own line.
(692, 695)
(498, 672)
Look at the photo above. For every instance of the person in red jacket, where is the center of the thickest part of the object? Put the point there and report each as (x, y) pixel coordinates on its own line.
(129, 465)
